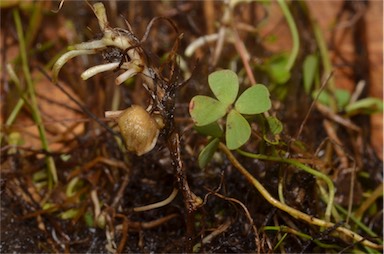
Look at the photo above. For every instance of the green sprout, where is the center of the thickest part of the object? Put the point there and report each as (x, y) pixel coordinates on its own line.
(310, 71)
(350, 107)
(206, 111)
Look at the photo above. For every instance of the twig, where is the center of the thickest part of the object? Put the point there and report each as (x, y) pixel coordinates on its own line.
(327, 112)
(124, 233)
(152, 224)
(247, 213)
(222, 228)
(369, 201)
(241, 49)
(331, 132)
(121, 190)
(83, 108)
(312, 105)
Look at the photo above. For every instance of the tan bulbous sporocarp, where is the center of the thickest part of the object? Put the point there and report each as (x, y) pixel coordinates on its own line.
(139, 129)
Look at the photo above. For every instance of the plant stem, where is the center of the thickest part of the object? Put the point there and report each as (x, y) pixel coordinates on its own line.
(11, 118)
(280, 188)
(357, 222)
(34, 23)
(378, 192)
(34, 108)
(331, 187)
(324, 54)
(325, 198)
(286, 229)
(293, 212)
(294, 33)
(162, 203)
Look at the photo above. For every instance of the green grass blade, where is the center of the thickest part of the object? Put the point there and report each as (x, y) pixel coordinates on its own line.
(31, 92)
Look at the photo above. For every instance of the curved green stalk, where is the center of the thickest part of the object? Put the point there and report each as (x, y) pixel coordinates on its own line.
(326, 179)
(294, 33)
(325, 198)
(290, 210)
(31, 91)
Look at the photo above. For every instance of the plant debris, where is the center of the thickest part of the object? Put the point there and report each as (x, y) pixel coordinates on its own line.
(308, 178)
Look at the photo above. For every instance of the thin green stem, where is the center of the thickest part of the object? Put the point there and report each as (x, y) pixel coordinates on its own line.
(357, 222)
(371, 251)
(14, 112)
(289, 230)
(324, 54)
(331, 187)
(31, 91)
(325, 198)
(34, 23)
(280, 242)
(280, 188)
(294, 33)
(292, 211)
(11, 118)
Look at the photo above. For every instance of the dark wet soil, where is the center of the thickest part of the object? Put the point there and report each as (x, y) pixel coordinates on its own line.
(94, 155)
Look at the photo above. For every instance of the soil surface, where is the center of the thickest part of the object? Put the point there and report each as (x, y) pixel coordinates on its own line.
(93, 206)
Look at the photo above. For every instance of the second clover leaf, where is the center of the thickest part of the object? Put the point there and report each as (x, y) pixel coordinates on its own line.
(237, 130)
(205, 110)
(254, 100)
(224, 85)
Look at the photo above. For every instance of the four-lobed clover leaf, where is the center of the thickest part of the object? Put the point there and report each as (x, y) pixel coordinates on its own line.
(224, 84)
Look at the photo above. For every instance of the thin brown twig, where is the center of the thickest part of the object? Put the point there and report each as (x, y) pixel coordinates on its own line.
(369, 201)
(121, 190)
(124, 232)
(328, 113)
(331, 132)
(244, 55)
(312, 105)
(219, 230)
(151, 224)
(209, 13)
(247, 214)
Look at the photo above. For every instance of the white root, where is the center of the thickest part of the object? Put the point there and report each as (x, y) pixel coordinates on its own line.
(98, 69)
(162, 203)
(125, 75)
(200, 42)
(113, 114)
(65, 58)
(96, 44)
